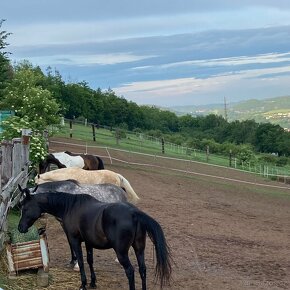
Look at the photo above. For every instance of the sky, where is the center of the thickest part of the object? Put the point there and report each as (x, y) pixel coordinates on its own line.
(162, 52)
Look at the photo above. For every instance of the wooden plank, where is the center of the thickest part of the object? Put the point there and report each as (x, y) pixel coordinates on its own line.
(13, 171)
(2, 240)
(0, 170)
(3, 210)
(12, 184)
(6, 169)
(16, 157)
(44, 252)
(10, 260)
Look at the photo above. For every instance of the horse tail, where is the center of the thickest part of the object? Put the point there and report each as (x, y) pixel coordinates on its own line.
(162, 250)
(124, 183)
(101, 163)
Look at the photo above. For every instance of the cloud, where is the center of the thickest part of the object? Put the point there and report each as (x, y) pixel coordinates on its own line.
(230, 83)
(268, 58)
(86, 59)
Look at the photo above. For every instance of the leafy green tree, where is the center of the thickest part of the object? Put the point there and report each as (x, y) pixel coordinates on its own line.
(12, 128)
(284, 144)
(268, 137)
(54, 83)
(246, 154)
(5, 67)
(34, 108)
(30, 100)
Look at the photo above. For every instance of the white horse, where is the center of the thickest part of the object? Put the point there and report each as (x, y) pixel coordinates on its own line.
(88, 177)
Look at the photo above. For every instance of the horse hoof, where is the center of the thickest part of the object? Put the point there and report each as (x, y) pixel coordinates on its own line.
(93, 286)
(76, 267)
(83, 288)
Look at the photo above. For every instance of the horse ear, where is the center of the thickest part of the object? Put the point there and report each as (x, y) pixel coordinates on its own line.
(24, 192)
(27, 193)
(37, 178)
(20, 188)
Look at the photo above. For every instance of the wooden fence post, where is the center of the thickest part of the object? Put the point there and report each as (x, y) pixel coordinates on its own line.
(16, 157)
(0, 172)
(94, 132)
(207, 153)
(70, 128)
(230, 158)
(118, 135)
(6, 169)
(26, 133)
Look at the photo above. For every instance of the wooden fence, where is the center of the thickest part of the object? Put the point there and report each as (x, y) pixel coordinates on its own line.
(14, 164)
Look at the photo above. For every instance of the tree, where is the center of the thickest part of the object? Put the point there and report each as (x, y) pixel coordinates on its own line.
(34, 108)
(268, 138)
(5, 67)
(30, 100)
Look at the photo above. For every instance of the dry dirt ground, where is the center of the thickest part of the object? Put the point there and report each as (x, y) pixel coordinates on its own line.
(223, 234)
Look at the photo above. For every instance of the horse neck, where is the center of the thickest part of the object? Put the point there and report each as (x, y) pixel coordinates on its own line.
(57, 203)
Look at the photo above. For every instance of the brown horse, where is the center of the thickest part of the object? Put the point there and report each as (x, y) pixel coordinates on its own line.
(68, 159)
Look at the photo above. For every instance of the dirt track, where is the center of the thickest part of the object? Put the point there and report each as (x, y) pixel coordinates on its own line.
(223, 235)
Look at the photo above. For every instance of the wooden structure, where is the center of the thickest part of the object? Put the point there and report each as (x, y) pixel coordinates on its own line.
(14, 164)
(14, 170)
(28, 255)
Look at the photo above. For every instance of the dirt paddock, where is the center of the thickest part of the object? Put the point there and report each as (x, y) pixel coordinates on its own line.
(223, 234)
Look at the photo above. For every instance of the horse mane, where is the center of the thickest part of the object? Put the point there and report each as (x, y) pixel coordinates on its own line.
(43, 163)
(67, 199)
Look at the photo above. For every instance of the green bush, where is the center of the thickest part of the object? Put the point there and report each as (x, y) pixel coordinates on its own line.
(282, 161)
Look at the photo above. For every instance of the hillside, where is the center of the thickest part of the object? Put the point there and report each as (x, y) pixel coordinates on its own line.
(273, 110)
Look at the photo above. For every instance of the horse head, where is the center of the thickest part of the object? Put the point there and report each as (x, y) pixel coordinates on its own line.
(30, 210)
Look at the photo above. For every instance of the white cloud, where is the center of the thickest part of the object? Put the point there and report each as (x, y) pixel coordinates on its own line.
(85, 60)
(176, 88)
(231, 61)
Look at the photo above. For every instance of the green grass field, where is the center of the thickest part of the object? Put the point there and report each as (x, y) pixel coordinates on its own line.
(146, 144)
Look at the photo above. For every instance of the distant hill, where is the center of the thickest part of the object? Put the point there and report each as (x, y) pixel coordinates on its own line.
(273, 110)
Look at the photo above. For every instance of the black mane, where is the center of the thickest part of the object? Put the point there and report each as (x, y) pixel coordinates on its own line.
(68, 198)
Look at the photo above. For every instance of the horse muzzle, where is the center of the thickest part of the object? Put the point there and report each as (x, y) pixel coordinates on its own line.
(22, 229)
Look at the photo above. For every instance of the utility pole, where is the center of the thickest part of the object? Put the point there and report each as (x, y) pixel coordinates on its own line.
(226, 111)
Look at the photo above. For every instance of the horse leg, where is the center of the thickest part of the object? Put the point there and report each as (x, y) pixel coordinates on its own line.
(139, 248)
(77, 248)
(127, 266)
(141, 264)
(90, 260)
(74, 262)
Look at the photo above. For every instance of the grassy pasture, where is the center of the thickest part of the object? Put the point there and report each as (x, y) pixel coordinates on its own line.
(147, 144)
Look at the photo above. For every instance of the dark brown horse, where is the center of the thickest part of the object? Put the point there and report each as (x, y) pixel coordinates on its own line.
(68, 159)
